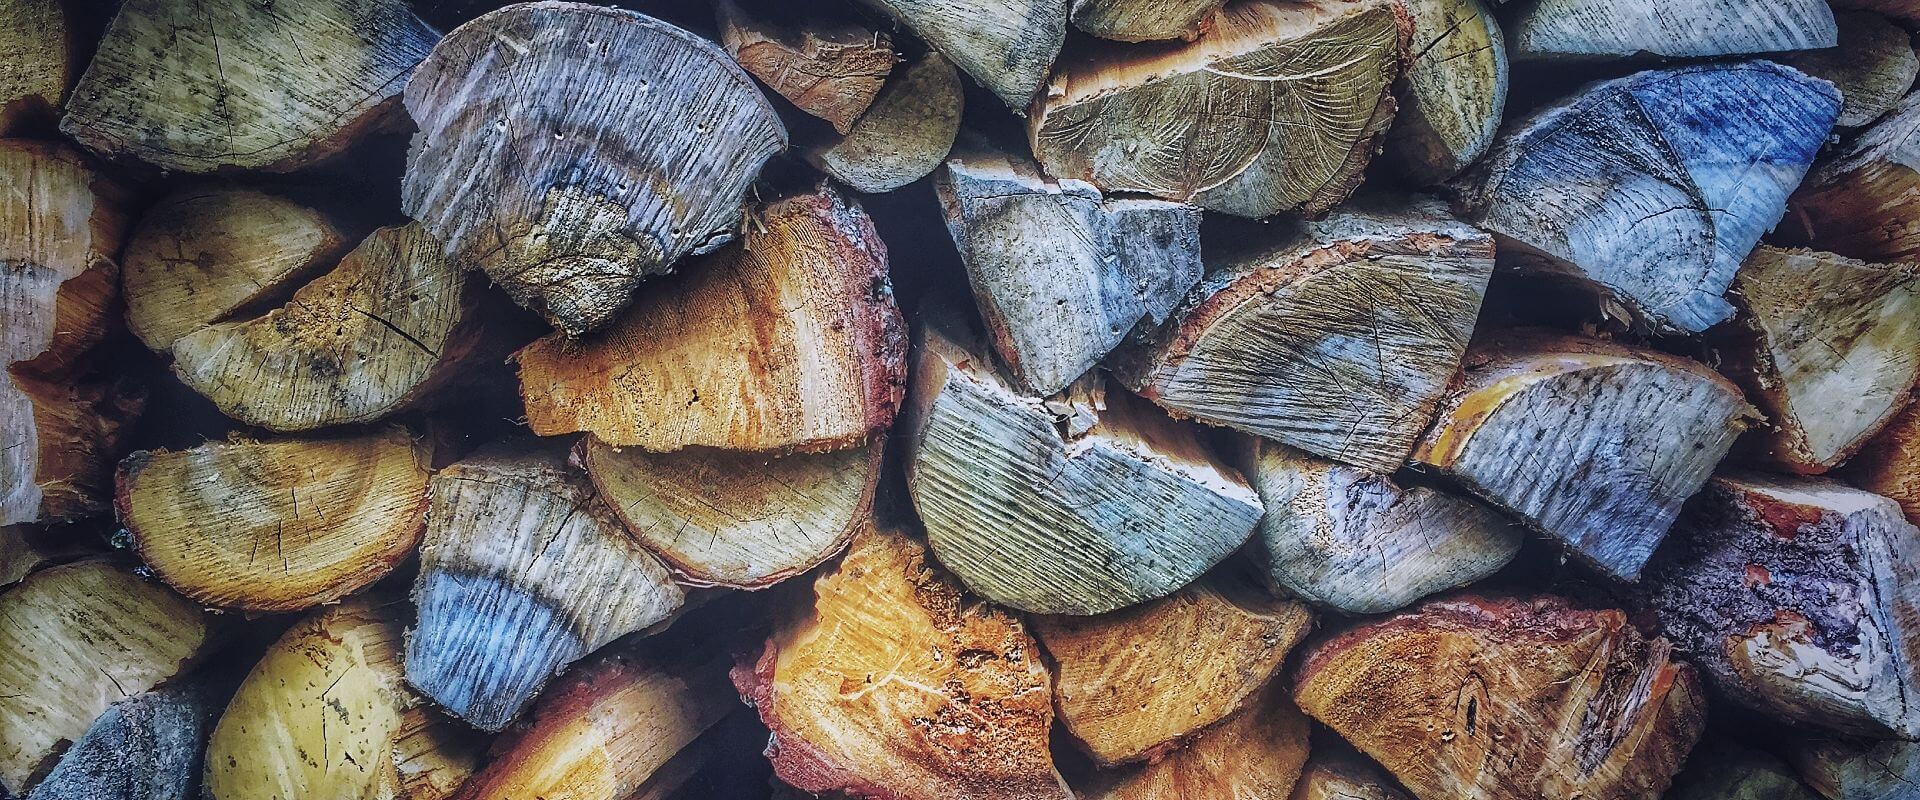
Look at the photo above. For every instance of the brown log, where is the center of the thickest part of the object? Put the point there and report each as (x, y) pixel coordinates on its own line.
(1720, 769)
(1453, 94)
(1340, 775)
(1853, 769)
(41, 65)
(1006, 45)
(1508, 699)
(894, 685)
(1144, 20)
(1889, 464)
(787, 341)
(1256, 754)
(829, 69)
(1860, 200)
(905, 133)
(1873, 66)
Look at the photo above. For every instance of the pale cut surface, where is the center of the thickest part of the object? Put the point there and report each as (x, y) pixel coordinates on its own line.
(239, 84)
(787, 341)
(1873, 66)
(79, 638)
(1006, 45)
(1846, 769)
(1860, 201)
(1720, 770)
(277, 525)
(741, 520)
(1889, 464)
(40, 65)
(892, 684)
(831, 70)
(200, 257)
(145, 747)
(1338, 775)
(1276, 107)
(573, 150)
(1698, 29)
(1144, 20)
(1454, 92)
(905, 133)
(1256, 754)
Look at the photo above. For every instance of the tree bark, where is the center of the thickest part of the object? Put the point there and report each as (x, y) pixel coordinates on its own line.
(1454, 92)
(144, 747)
(1006, 45)
(1860, 200)
(1873, 66)
(1256, 754)
(1144, 20)
(831, 70)
(1595, 29)
(903, 136)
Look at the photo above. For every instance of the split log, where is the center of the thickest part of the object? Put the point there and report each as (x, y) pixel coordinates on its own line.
(1799, 597)
(78, 638)
(892, 684)
(327, 713)
(1278, 106)
(905, 133)
(1828, 347)
(1361, 542)
(831, 70)
(239, 84)
(1453, 94)
(1873, 66)
(26, 549)
(1060, 274)
(1144, 20)
(1337, 337)
(145, 747)
(1720, 770)
(1889, 464)
(741, 520)
(519, 549)
(41, 61)
(60, 225)
(1863, 200)
(1651, 189)
(1508, 699)
(1593, 29)
(1120, 508)
(1841, 769)
(276, 525)
(1337, 775)
(1006, 45)
(201, 257)
(787, 341)
(1256, 754)
(1593, 443)
(1139, 683)
(573, 150)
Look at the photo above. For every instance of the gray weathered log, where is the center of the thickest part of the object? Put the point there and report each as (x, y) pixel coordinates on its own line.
(1453, 93)
(145, 747)
(1007, 46)
(905, 133)
(1589, 29)
(1873, 66)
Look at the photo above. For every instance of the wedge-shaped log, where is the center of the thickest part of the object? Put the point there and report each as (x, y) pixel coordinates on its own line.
(1256, 754)
(829, 69)
(1863, 199)
(1144, 20)
(1276, 107)
(1719, 769)
(905, 133)
(520, 550)
(1337, 337)
(1006, 45)
(276, 525)
(787, 341)
(1588, 29)
(1889, 464)
(1124, 506)
(1828, 347)
(1873, 66)
(327, 713)
(238, 84)
(1850, 769)
(1060, 274)
(1454, 91)
(1340, 775)
(1362, 542)
(77, 638)
(1593, 443)
(145, 747)
(1798, 596)
(573, 150)
(1139, 683)
(42, 63)
(892, 684)
(742, 520)
(1508, 699)
(1650, 189)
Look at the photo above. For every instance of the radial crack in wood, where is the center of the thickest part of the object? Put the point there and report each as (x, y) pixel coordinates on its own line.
(42, 55)
(1453, 94)
(1144, 20)
(145, 747)
(1256, 754)
(905, 133)
(829, 69)
(1873, 66)
(1006, 45)
(1863, 199)
(1593, 29)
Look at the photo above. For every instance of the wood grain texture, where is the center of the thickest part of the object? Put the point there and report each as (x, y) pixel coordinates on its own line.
(523, 570)
(26, 549)
(1361, 542)
(1587, 29)
(903, 136)
(1649, 190)
(1061, 275)
(1800, 597)
(573, 150)
(277, 525)
(831, 70)
(1006, 45)
(1719, 769)
(1889, 464)
(1336, 775)
(1508, 699)
(79, 638)
(1593, 443)
(1128, 508)
(1828, 347)
(1140, 683)
(238, 84)
(1860, 201)
(892, 684)
(1847, 769)
(1144, 20)
(1454, 92)
(1337, 337)
(42, 63)
(789, 340)
(145, 747)
(1873, 66)
(1256, 754)
(1276, 107)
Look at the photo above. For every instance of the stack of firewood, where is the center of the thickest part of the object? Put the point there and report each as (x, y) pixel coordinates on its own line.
(960, 399)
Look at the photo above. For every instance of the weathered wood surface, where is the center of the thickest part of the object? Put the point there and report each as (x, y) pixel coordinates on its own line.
(1508, 699)
(1889, 464)
(1863, 199)
(277, 525)
(1826, 346)
(1256, 754)
(1276, 107)
(1124, 506)
(1144, 20)
(1800, 597)
(145, 747)
(1337, 337)
(787, 341)
(1719, 769)
(1589, 29)
(1593, 443)
(829, 69)
(893, 684)
(1453, 94)
(1873, 66)
(523, 570)
(1006, 45)
(43, 54)
(573, 150)
(1843, 769)
(903, 136)
(239, 84)
(1361, 542)
(26, 549)
(1139, 683)
(1649, 190)
(77, 639)
(1339, 775)
(1060, 274)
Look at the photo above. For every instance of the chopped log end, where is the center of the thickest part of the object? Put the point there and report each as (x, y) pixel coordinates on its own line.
(42, 60)
(144, 747)
(788, 341)
(903, 135)
(1849, 769)
(1144, 20)
(1508, 699)
(1719, 769)
(1454, 92)
(1594, 29)
(1256, 753)
(1889, 464)
(1873, 66)
(1860, 200)
(1008, 46)
(300, 522)
(1338, 775)
(831, 70)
